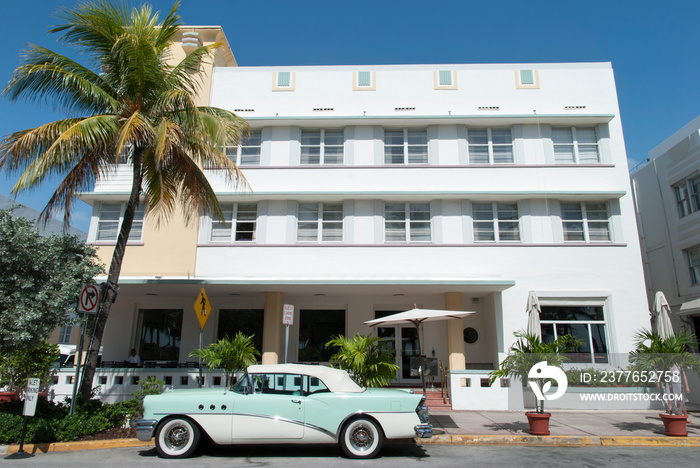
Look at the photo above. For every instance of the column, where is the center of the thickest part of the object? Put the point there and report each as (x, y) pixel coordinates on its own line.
(273, 328)
(455, 337)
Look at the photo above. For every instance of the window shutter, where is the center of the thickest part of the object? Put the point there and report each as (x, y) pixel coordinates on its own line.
(364, 78)
(527, 77)
(283, 79)
(445, 77)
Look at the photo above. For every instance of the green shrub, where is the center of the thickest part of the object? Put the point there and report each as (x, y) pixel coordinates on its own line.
(10, 428)
(52, 423)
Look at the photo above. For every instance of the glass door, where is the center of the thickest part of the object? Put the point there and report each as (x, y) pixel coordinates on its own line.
(403, 342)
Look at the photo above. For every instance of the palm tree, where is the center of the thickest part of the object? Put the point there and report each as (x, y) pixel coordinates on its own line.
(230, 355)
(666, 358)
(129, 101)
(370, 362)
(529, 350)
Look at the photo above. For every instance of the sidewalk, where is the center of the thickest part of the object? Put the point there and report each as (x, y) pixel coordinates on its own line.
(567, 427)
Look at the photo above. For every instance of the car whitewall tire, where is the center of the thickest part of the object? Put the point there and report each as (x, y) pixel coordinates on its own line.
(177, 438)
(361, 438)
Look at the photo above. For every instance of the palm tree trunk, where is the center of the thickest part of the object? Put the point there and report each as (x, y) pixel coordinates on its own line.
(111, 286)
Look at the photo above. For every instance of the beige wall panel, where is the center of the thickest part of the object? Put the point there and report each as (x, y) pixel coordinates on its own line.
(168, 250)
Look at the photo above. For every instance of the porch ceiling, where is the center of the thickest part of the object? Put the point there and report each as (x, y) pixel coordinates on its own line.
(311, 286)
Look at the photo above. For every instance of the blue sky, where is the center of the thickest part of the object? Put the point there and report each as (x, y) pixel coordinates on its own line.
(652, 46)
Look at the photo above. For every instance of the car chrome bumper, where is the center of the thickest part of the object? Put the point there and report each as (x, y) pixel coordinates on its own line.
(144, 429)
(424, 431)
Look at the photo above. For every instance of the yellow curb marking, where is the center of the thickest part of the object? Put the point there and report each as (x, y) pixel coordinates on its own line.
(87, 445)
(561, 441)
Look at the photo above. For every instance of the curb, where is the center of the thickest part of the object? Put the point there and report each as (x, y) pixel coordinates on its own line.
(87, 445)
(561, 441)
(440, 439)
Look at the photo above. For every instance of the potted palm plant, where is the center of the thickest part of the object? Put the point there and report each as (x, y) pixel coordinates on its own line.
(370, 362)
(230, 355)
(526, 354)
(664, 360)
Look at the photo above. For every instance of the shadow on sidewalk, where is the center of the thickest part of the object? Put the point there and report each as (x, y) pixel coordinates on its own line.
(514, 427)
(656, 427)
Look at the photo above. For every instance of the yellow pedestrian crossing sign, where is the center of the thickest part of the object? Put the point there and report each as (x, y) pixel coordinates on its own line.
(202, 308)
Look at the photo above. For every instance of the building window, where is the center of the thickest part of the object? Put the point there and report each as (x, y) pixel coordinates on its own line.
(283, 81)
(316, 328)
(405, 146)
(585, 222)
(444, 79)
(694, 264)
(159, 334)
(490, 145)
(247, 152)
(575, 145)
(110, 220)
(364, 81)
(407, 222)
(585, 323)
(322, 147)
(247, 321)
(64, 334)
(688, 196)
(320, 222)
(238, 223)
(496, 222)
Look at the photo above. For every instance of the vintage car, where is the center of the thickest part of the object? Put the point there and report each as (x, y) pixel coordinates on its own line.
(288, 404)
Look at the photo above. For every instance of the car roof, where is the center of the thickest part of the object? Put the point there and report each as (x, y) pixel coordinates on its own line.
(335, 379)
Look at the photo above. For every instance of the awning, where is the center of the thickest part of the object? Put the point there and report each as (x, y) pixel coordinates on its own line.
(690, 307)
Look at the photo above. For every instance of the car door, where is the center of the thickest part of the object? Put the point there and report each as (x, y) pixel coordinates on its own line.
(274, 411)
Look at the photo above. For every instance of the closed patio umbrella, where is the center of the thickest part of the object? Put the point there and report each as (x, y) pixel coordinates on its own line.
(662, 311)
(533, 315)
(416, 317)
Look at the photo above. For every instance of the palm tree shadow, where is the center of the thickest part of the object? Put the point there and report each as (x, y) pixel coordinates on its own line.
(657, 427)
(513, 427)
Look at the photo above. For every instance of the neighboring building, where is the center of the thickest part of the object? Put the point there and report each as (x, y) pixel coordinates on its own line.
(53, 226)
(667, 194)
(375, 188)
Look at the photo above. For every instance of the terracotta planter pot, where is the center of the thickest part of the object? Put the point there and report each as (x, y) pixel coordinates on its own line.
(675, 424)
(8, 396)
(539, 423)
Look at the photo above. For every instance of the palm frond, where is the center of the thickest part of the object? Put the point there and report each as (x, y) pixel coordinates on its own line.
(51, 78)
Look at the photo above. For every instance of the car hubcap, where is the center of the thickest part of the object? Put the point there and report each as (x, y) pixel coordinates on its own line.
(177, 437)
(361, 438)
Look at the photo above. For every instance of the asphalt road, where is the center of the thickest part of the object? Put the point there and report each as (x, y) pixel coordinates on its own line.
(394, 456)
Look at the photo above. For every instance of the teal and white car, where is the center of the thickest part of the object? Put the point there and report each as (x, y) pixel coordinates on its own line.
(284, 403)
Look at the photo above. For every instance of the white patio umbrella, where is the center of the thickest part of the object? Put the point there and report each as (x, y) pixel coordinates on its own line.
(533, 315)
(662, 311)
(416, 317)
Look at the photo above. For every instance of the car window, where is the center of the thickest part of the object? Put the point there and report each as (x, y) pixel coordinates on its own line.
(278, 384)
(243, 385)
(317, 386)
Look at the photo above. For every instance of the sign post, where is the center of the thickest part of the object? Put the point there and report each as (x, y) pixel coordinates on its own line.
(88, 301)
(202, 307)
(287, 320)
(30, 397)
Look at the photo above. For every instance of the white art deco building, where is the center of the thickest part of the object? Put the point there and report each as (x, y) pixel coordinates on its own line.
(374, 188)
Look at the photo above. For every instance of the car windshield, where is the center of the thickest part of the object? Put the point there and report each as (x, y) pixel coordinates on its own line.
(243, 385)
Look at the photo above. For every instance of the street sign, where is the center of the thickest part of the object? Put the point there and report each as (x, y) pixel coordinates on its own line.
(88, 299)
(288, 314)
(31, 397)
(202, 308)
